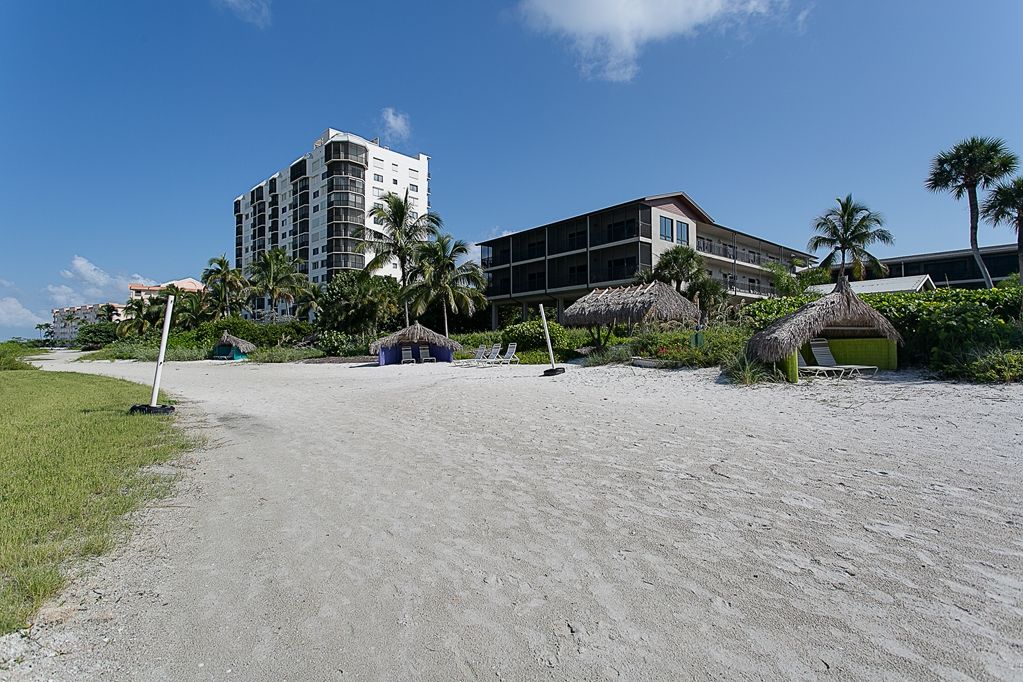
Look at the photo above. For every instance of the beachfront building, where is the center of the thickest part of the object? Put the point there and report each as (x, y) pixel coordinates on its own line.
(562, 261)
(137, 290)
(315, 208)
(67, 320)
(956, 269)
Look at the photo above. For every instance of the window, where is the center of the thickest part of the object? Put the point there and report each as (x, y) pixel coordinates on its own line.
(413, 188)
(413, 173)
(316, 251)
(666, 228)
(395, 181)
(377, 177)
(412, 201)
(378, 192)
(316, 207)
(394, 167)
(683, 232)
(378, 163)
(413, 215)
(316, 194)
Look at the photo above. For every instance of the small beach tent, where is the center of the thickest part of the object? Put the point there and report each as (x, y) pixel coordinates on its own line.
(856, 333)
(388, 349)
(232, 348)
(633, 304)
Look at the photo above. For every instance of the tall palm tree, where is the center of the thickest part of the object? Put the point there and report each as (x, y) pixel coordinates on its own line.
(438, 275)
(194, 308)
(108, 311)
(276, 277)
(43, 328)
(309, 301)
(1005, 205)
(848, 230)
(679, 265)
(227, 283)
(978, 161)
(397, 235)
(137, 318)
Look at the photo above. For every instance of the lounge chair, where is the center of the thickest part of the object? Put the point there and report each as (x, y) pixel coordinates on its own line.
(817, 370)
(480, 352)
(493, 357)
(822, 353)
(424, 354)
(406, 355)
(509, 358)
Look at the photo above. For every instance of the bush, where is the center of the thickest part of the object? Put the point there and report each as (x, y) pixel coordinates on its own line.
(470, 342)
(540, 357)
(612, 355)
(339, 344)
(144, 351)
(530, 336)
(283, 354)
(262, 334)
(11, 353)
(997, 366)
(742, 369)
(96, 335)
(721, 343)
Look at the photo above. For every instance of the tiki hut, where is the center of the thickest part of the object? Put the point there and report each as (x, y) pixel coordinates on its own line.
(856, 333)
(388, 349)
(232, 348)
(653, 302)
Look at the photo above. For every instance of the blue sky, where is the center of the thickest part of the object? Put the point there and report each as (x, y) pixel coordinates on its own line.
(128, 128)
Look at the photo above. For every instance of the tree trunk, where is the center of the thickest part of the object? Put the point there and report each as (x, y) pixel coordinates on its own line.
(445, 318)
(1019, 244)
(974, 218)
(401, 266)
(842, 271)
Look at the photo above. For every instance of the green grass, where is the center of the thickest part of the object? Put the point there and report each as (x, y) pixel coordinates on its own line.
(70, 467)
(133, 350)
(284, 354)
(11, 354)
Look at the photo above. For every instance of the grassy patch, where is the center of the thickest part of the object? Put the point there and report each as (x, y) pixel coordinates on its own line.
(70, 468)
(284, 354)
(11, 354)
(146, 352)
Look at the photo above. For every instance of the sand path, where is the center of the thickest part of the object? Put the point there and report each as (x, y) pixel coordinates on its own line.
(442, 523)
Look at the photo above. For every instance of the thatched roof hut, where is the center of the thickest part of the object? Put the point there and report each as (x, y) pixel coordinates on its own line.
(241, 344)
(414, 334)
(840, 313)
(651, 302)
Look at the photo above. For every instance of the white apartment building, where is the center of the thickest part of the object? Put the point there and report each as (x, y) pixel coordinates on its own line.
(66, 321)
(316, 207)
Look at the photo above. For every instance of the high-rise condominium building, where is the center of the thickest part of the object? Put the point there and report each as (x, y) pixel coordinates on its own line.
(316, 208)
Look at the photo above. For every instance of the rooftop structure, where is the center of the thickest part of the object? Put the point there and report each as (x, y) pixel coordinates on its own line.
(955, 268)
(881, 286)
(67, 320)
(147, 291)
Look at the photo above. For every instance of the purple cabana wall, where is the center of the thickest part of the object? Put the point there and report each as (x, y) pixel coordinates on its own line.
(392, 354)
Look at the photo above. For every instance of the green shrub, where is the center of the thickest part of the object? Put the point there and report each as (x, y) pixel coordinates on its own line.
(96, 335)
(284, 354)
(612, 355)
(997, 366)
(148, 352)
(11, 353)
(470, 342)
(743, 369)
(541, 357)
(262, 334)
(339, 344)
(530, 336)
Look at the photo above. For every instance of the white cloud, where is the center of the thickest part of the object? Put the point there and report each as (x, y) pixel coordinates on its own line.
(89, 283)
(255, 12)
(609, 34)
(397, 127)
(475, 251)
(6, 283)
(14, 314)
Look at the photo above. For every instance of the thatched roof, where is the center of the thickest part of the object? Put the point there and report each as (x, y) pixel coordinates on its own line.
(655, 301)
(241, 344)
(841, 308)
(414, 333)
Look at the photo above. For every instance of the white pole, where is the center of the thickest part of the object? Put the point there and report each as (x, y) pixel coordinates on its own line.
(163, 350)
(547, 335)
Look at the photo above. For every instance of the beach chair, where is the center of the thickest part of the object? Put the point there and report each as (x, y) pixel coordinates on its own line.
(480, 352)
(493, 357)
(406, 355)
(509, 358)
(822, 354)
(806, 370)
(424, 354)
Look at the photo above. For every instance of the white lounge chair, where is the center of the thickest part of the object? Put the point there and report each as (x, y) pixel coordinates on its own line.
(493, 356)
(424, 354)
(406, 355)
(480, 352)
(822, 353)
(509, 358)
(817, 370)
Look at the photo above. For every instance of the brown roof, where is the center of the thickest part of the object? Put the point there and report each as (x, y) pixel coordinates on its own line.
(414, 333)
(633, 303)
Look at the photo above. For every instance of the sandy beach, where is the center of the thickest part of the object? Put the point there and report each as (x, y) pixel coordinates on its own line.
(434, 522)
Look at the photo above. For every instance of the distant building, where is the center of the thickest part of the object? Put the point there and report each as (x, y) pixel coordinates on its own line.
(67, 320)
(956, 269)
(316, 207)
(887, 285)
(560, 262)
(146, 291)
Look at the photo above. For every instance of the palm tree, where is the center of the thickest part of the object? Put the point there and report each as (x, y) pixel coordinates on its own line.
(43, 328)
(399, 236)
(1005, 205)
(679, 265)
(978, 161)
(108, 311)
(227, 283)
(309, 301)
(438, 275)
(137, 318)
(194, 308)
(276, 277)
(847, 231)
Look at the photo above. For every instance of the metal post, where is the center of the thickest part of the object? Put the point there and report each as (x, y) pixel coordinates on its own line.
(163, 350)
(554, 370)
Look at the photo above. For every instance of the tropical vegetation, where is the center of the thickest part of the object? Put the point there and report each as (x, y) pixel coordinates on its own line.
(846, 231)
(1004, 205)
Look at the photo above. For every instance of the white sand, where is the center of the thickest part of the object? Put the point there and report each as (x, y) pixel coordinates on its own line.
(431, 522)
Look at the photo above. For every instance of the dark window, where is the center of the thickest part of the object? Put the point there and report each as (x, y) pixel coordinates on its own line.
(683, 232)
(666, 229)
(413, 188)
(377, 177)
